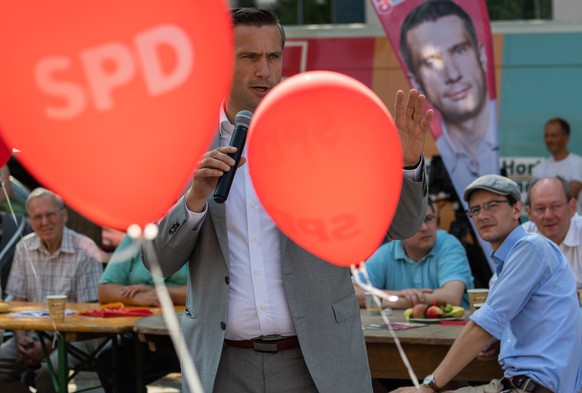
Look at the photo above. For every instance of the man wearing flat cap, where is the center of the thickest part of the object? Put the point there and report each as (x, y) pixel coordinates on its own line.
(532, 310)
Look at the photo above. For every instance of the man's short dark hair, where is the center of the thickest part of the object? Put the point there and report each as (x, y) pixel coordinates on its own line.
(251, 16)
(564, 125)
(431, 11)
(431, 204)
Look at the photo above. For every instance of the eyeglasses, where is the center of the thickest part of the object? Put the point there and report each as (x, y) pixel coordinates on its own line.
(430, 219)
(50, 216)
(540, 210)
(474, 211)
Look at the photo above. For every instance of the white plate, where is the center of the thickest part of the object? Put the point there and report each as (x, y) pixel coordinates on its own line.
(434, 320)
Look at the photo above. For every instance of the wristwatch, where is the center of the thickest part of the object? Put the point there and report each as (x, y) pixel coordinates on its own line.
(430, 382)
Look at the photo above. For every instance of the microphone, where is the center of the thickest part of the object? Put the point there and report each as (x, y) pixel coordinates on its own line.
(238, 139)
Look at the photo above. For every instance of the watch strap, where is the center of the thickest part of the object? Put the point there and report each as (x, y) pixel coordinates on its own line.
(430, 382)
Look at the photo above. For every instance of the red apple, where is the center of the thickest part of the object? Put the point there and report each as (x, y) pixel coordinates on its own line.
(418, 310)
(434, 312)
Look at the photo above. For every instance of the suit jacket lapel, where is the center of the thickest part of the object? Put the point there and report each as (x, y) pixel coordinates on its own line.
(218, 214)
(282, 244)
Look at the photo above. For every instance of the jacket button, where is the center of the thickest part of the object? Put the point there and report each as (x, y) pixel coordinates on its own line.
(227, 280)
(222, 325)
(174, 228)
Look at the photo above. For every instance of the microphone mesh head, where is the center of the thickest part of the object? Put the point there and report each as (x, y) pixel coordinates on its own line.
(243, 118)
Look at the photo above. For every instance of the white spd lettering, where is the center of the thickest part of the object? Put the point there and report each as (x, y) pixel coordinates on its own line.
(112, 65)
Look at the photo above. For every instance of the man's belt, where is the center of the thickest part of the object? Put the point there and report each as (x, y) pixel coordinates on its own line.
(272, 343)
(524, 383)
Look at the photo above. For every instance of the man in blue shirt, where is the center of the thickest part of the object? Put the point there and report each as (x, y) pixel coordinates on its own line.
(532, 309)
(431, 265)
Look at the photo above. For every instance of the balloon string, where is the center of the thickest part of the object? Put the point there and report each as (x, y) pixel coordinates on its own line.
(7, 197)
(188, 368)
(376, 295)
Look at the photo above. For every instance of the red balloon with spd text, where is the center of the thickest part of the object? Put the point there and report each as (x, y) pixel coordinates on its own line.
(325, 158)
(111, 103)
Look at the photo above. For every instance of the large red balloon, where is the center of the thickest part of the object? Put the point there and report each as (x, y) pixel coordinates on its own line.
(112, 102)
(326, 161)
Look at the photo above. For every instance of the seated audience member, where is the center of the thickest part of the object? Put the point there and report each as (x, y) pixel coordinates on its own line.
(126, 280)
(75, 221)
(535, 288)
(431, 265)
(562, 162)
(6, 185)
(12, 228)
(551, 209)
(64, 263)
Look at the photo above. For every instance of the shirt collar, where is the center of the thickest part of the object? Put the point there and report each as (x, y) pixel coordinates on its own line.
(67, 244)
(448, 149)
(500, 255)
(225, 127)
(400, 253)
(490, 137)
(573, 237)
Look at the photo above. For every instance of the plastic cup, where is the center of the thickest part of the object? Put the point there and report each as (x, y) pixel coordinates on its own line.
(371, 306)
(476, 296)
(57, 305)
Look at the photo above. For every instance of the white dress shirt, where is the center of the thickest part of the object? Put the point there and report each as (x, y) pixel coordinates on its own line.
(571, 246)
(256, 299)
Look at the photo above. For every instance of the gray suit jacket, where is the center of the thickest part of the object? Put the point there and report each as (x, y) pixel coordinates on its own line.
(320, 295)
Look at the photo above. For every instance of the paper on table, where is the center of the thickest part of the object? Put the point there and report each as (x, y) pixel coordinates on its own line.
(396, 325)
(38, 313)
(119, 312)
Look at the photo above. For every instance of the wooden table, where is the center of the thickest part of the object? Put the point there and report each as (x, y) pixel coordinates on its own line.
(75, 327)
(153, 331)
(425, 347)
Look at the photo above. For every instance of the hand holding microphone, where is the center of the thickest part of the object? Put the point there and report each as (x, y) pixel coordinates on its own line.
(238, 139)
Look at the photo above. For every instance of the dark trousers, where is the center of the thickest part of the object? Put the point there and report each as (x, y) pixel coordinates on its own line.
(156, 365)
(247, 371)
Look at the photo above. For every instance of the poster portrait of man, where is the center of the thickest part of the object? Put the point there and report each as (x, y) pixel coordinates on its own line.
(446, 52)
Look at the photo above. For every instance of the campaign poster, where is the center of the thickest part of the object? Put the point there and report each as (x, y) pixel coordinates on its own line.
(445, 49)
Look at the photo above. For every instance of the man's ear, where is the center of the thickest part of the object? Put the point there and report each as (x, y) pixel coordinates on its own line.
(572, 206)
(65, 215)
(528, 211)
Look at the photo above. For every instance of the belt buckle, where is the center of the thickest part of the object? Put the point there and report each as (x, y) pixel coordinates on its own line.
(529, 385)
(507, 385)
(524, 383)
(267, 343)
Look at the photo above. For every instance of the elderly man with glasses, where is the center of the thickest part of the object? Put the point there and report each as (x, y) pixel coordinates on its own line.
(551, 209)
(53, 260)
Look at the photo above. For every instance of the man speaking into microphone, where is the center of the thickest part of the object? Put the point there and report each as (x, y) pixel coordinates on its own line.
(262, 314)
(242, 120)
